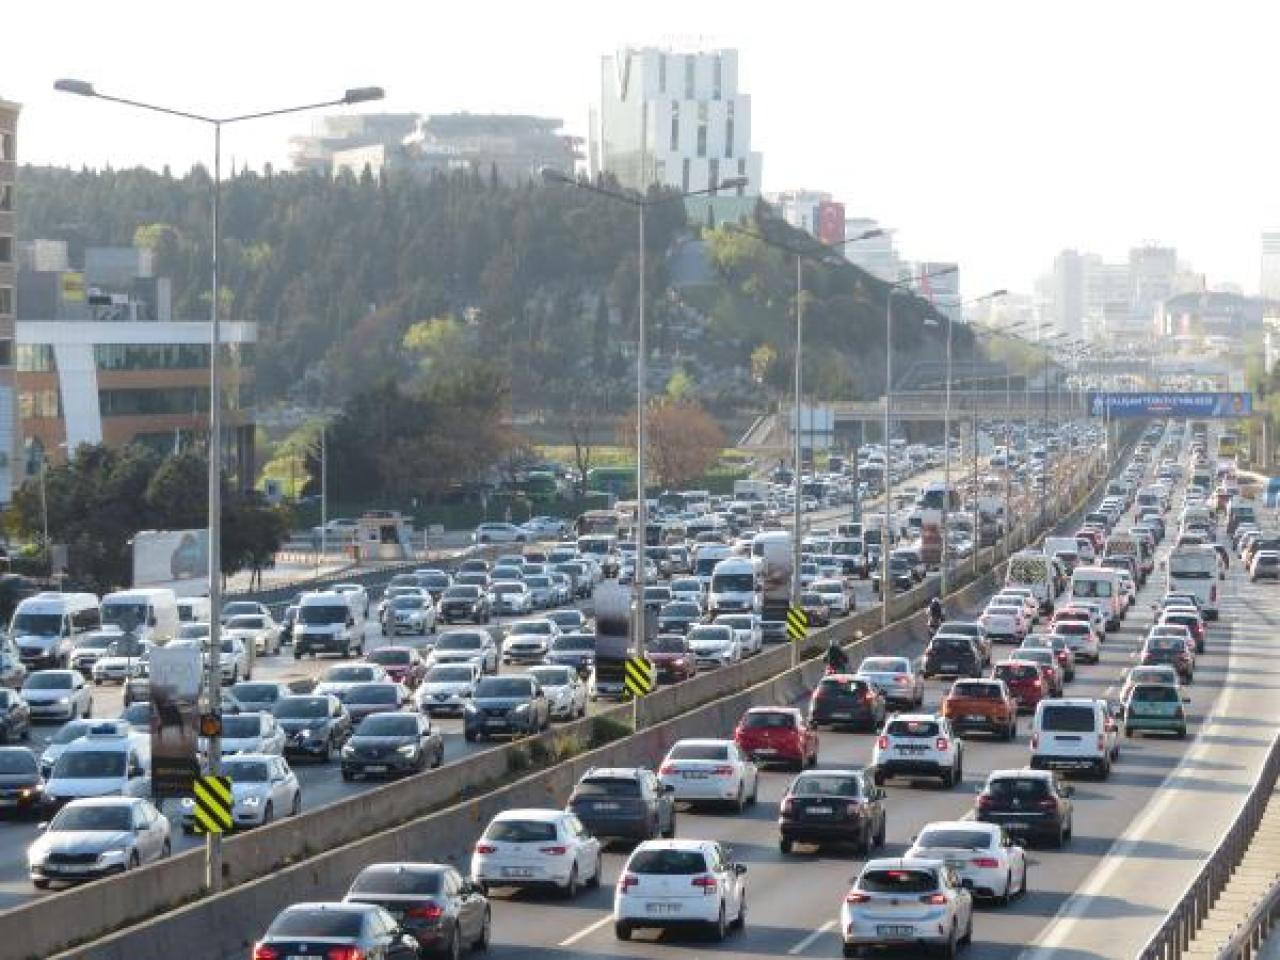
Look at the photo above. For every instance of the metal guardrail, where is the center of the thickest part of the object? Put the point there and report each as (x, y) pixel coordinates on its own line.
(1175, 935)
(1248, 940)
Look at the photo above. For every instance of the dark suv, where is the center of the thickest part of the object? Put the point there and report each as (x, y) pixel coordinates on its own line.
(627, 803)
(952, 655)
(511, 705)
(843, 700)
(1028, 803)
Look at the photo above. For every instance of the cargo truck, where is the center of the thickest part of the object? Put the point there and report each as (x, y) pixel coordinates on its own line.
(773, 549)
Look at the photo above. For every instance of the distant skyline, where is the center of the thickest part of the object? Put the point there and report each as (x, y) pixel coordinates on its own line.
(994, 133)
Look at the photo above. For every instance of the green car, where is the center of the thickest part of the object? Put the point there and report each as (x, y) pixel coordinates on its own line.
(1158, 707)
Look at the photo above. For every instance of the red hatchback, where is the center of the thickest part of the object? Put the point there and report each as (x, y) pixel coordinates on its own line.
(403, 664)
(1025, 681)
(777, 735)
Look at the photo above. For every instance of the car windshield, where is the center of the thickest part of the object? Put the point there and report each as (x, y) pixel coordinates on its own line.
(608, 787)
(256, 692)
(236, 609)
(349, 675)
(699, 751)
(48, 681)
(710, 634)
(898, 881)
(90, 765)
(387, 726)
(912, 728)
(38, 624)
(1023, 788)
(502, 589)
(977, 691)
(311, 924)
(1072, 719)
(193, 631)
(688, 610)
(553, 676)
(123, 614)
(520, 831)
(503, 687)
(126, 647)
(769, 719)
(733, 583)
(302, 708)
(837, 685)
(399, 880)
(459, 641)
(320, 615)
(449, 675)
(884, 665)
(95, 641)
(372, 693)
(114, 818)
(240, 726)
(964, 839)
(391, 656)
(464, 592)
(1156, 694)
(246, 771)
(669, 644)
(541, 628)
(17, 761)
(1164, 643)
(246, 623)
(575, 642)
(408, 602)
(667, 862)
(826, 785)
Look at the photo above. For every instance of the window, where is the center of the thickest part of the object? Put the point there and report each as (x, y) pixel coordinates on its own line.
(713, 176)
(662, 73)
(702, 129)
(6, 146)
(38, 403)
(688, 77)
(6, 351)
(742, 172)
(6, 196)
(684, 176)
(167, 356)
(675, 125)
(6, 300)
(6, 249)
(717, 71)
(728, 129)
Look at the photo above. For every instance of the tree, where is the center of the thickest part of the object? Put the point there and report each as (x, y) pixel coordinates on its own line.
(683, 441)
(252, 532)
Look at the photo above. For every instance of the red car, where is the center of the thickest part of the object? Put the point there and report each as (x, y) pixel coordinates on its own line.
(672, 658)
(777, 735)
(403, 664)
(1025, 681)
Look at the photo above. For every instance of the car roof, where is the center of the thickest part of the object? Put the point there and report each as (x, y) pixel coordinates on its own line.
(530, 813)
(1020, 773)
(616, 773)
(916, 717)
(699, 845)
(903, 863)
(701, 741)
(106, 802)
(961, 825)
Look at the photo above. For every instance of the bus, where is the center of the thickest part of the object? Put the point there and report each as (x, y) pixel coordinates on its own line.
(1228, 445)
(620, 481)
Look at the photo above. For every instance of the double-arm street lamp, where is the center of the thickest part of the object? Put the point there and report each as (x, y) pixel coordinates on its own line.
(641, 204)
(213, 668)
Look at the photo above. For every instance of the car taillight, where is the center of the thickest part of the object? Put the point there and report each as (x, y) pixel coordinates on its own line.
(935, 899)
(627, 881)
(428, 911)
(724, 770)
(900, 679)
(556, 851)
(986, 863)
(853, 896)
(345, 953)
(883, 743)
(1048, 804)
(263, 952)
(667, 769)
(707, 883)
(1036, 683)
(486, 848)
(787, 805)
(942, 743)
(1102, 742)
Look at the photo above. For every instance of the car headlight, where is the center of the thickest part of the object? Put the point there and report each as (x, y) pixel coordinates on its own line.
(63, 701)
(188, 803)
(522, 708)
(116, 853)
(408, 750)
(348, 751)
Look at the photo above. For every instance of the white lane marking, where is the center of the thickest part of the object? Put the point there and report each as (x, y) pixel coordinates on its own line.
(812, 938)
(587, 931)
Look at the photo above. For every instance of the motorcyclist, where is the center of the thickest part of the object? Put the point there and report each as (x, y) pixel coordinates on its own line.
(836, 659)
(936, 613)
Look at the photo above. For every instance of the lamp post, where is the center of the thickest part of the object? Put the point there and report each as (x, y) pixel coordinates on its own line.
(641, 204)
(213, 675)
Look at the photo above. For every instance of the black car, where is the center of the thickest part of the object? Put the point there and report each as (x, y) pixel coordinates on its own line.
(832, 806)
(21, 785)
(900, 574)
(435, 584)
(315, 726)
(678, 616)
(577, 650)
(337, 929)
(365, 699)
(843, 700)
(510, 705)
(441, 909)
(287, 621)
(15, 717)
(465, 602)
(625, 803)
(952, 655)
(1028, 803)
(387, 744)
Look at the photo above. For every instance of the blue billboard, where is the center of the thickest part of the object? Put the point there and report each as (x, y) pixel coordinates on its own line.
(1204, 405)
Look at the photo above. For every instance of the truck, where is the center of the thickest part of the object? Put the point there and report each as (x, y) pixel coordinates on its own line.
(613, 612)
(751, 490)
(1194, 570)
(735, 586)
(1035, 571)
(773, 549)
(1125, 544)
(931, 538)
(705, 558)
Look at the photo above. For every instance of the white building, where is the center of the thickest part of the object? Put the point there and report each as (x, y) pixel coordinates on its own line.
(878, 256)
(1269, 285)
(676, 119)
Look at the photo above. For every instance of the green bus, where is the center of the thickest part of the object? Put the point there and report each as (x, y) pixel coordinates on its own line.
(620, 481)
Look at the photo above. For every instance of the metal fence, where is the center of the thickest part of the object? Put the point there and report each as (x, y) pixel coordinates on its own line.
(1175, 935)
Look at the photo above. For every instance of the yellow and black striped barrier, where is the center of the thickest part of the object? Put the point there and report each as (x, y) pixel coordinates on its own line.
(213, 804)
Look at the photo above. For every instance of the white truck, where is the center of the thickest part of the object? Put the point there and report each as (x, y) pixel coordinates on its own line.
(1034, 571)
(1194, 570)
(773, 549)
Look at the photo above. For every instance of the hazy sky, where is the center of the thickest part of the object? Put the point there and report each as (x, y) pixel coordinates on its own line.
(993, 132)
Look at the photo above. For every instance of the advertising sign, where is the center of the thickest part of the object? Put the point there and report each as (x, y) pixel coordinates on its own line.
(830, 222)
(73, 287)
(1171, 404)
(178, 559)
(175, 719)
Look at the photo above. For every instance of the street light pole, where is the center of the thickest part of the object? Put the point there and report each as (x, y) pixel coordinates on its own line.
(213, 667)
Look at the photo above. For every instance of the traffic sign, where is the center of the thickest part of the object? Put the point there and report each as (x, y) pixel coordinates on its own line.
(638, 676)
(213, 804)
(797, 624)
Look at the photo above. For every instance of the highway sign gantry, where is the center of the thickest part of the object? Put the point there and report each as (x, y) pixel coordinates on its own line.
(638, 676)
(213, 804)
(797, 624)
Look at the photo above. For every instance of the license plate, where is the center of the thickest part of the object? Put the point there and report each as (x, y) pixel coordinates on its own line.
(8, 801)
(606, 805)
(821, 809)
(694, 775)
(302, 956)
(662, 907)
(766, 751)
(1014, 825)
(495, 723)
(955, 864)
(842, 715)
(517, 873)
(376, 768)
(887, 930)
(949, 666)
(976, 718)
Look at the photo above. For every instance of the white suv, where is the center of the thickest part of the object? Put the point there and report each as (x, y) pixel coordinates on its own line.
(1074, 734)
(678, 882)
(918, 745)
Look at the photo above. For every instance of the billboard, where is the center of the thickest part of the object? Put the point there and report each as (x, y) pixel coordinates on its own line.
(175, 719)
(172, 558)
(1204, 405)
(830, 222)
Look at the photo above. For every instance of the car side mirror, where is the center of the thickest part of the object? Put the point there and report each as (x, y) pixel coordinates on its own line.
(739, 868)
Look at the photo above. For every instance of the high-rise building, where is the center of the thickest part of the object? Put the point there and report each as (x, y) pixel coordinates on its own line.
(1269, 287)
(1153, 276)
(1064, 296)
(676, 119)
(313, 153)
(8, 295)
(876, 255)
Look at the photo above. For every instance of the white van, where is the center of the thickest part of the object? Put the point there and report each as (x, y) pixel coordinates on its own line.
(1075, 734)
(105, 762)
(194, 610)
(45, 627)
(1104, 585)
(150, 613)
(1036, 572)
(327, 623)
(1194, 569)
(735, 586)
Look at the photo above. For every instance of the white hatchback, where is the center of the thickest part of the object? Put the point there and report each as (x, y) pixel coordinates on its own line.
(683, 884)
(536, 848)
(707, 771)
(982, 855)
(907, 902)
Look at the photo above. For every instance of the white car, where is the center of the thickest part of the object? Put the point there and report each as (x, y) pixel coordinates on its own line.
(57, 695)
(337, 680)
(677, 882)
(565, 689)
(835, 594)
(545, 528)
(233, 659)
(125, 659)
(410, 615)
(263, 788)
(253, 732)
(529, 641)
(980, 853)
(361, 603)
(98, 836)
(240, 608)
(510, 597)
(499, 533)
(536, 848)
(689, 589)
(714, 645)
(906, 902)
(1081, 639)
(747, 629)
(716, 771)
(465, 646)
(918, 745)
(255, 628)
(447, 687)
(897, 678)
(1007, 622)
(1024, 595)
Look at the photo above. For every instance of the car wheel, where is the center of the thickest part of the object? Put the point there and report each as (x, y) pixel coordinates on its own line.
(719, 929)
(786, 844)
(1011, 734)
(134, 861)
(878, 778)
(740, 803)
(740, 922)
(948, 778)
(949, 950)
(268, 814)
(594, 882)
(880, 834)
(622, 930)
(1007, 895)
(40, 884)
(570, 889)
(486, 927)
(968, 932)
(469, 736)
(296, 807)
(166, 850)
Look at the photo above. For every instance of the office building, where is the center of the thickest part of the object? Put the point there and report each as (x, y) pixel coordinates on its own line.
(1269, 284)
(676, 119)
(877, 255)
(8, 296)
(313, 153)
(1153, 278)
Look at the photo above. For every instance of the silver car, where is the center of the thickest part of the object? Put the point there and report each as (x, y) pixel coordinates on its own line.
(253, 732)
(897, 678)
(566, 692)
(263, 787)
(57, 695)
(447, 688)
(907, 902)
(98, 836)
(465, 646)
(336, 681)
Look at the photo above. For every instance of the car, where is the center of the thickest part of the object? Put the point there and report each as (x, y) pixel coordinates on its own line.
(410, 615)
(576, 650)
(364, 699)
(678, 616)
(465, 601)
(918, 745)
(357, 596)
(1265, 564)
(680, 884)
(543, 594)
(1076, 734)
(434, 581)
(508, 705)
(840, 602)
(68, 734)
(971, 629)
(234, 660)
(983, 704)
(404, 665)
(624, 803)
(340, 678)
(260, 630)
(1054, 678)
(1034, 804)
(432, 902)
(21, 783)
(338, 930)
(714, 645)
(987, 861)
(841, 700)
(1058, 646)
(1081, 639)
(487, 533)
(89, 647)
(953, 655)
(832, 806)
(391, 743)
(96, 837)
(777, 735)
(689, 590)
(1157, 673)
(1156, 707)
(1175, 649)
(447, 688)
(315, 726)
(537, 848)
(252, 732)
(569, 621)
(465, 646)
(814, 605)
(906, 902)
(125, 658)
(263, 788)
(510, 598)
(15, 717)
(529, 641)
(250, 695)
(710, 771)
(1181, 616)
(747, 629)
(673, 659)
(238, 608)
(394, 591)
(565, 689)
(897, 678)
(1005, 622)
(57, 695)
